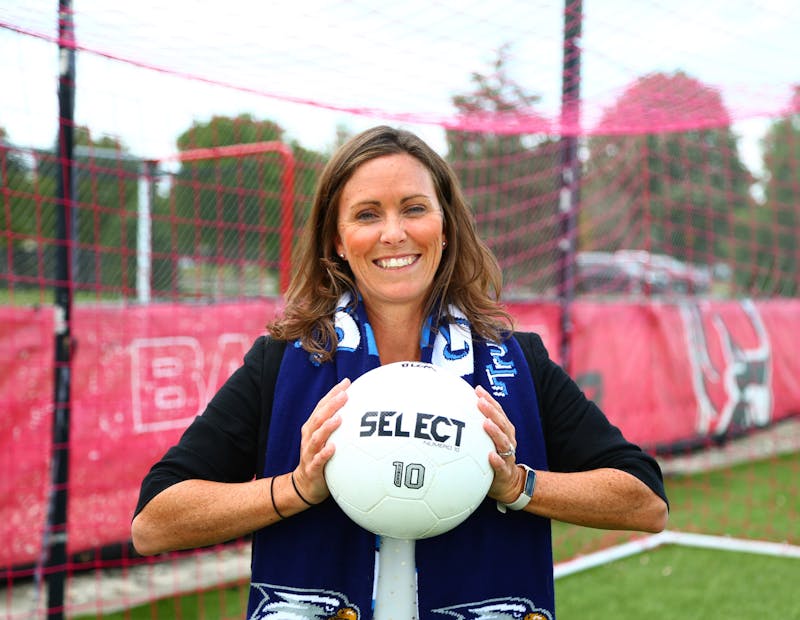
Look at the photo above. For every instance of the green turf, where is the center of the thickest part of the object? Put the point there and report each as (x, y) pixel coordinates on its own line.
(680, 582)
(752, 500)
(758, 500)
(29, 297)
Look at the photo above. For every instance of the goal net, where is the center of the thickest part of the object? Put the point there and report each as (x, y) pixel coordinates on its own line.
(636, 170)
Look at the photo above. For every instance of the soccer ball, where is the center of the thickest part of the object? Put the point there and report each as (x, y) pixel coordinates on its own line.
(412, 457)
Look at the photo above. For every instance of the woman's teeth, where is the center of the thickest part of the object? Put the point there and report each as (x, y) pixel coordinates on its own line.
(390, 263)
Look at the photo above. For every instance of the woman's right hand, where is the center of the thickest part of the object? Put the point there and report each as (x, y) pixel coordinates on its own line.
(315, 449)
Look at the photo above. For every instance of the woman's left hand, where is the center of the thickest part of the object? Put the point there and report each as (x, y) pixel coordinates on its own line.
(507, 476)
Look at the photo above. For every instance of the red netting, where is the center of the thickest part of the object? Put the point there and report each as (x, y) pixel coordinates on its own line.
(634, 166)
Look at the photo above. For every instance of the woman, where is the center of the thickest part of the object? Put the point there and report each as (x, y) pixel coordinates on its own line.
(392, 270)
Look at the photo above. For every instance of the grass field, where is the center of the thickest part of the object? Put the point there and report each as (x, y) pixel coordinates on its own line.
(681, 582)
(667, 583)
(758, 500)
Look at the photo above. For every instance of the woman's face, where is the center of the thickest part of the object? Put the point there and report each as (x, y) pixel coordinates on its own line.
(391, 230)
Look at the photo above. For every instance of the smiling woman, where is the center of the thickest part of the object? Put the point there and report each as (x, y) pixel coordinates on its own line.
(391, 234)
(396, 201)
(392, 270)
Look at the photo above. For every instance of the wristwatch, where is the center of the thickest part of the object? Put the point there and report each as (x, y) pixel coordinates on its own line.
(527, 491)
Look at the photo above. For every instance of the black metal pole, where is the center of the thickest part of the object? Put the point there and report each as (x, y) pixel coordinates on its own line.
(570, 168)
(56, 540)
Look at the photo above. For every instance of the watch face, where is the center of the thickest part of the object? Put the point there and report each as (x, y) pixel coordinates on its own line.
(530, 482)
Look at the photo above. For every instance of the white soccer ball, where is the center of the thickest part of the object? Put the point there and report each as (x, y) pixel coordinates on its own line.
(412, 457)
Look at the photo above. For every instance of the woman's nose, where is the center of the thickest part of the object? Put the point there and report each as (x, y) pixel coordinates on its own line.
(394, 230)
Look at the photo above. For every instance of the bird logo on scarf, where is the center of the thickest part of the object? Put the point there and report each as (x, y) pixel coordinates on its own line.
(283, 603)
(497, 609)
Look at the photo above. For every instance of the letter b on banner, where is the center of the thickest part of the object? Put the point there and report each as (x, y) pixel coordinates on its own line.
(167, 382)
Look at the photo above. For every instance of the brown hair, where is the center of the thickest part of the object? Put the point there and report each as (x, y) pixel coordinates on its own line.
(468, 277)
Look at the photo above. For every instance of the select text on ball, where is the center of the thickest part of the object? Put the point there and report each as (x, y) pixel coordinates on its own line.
(423, 426)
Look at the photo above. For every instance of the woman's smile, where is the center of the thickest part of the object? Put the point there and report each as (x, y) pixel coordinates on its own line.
(396, 262)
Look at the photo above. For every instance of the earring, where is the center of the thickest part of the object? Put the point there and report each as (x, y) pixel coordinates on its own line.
(341, 255)
(444, 243)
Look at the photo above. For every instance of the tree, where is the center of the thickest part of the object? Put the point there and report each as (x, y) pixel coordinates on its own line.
(510, 179)
(781, 218)
(664, 173)
(15, 192)
(17, 212)
(225, 215)
(105, 210)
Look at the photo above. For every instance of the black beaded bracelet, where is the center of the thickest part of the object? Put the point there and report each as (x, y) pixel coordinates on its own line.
(272, 497)
(299, 494)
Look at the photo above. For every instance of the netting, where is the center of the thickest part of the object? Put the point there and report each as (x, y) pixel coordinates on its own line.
(636, 169)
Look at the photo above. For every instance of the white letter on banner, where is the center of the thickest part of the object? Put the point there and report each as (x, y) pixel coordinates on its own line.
(167, 386)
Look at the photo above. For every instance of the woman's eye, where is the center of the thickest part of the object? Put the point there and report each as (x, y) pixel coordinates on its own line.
(416, 209)
(366, 216)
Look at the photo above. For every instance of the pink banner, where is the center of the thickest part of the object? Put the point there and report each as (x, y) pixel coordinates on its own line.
(27, 342)
(674, 374)
(541, 318)
(665, 374)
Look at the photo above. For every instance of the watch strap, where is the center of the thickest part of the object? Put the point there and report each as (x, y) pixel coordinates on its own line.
(526, 494)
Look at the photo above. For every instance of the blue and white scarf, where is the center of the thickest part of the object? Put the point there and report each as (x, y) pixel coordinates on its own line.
(319, 563)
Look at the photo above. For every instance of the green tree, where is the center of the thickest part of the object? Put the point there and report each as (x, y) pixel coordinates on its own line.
(664, 173)
(15, 185)
(107, 211)
(106, 180)
(308, 167)
(226, 214)
(780, 221)
(18, 238)
(510, 180)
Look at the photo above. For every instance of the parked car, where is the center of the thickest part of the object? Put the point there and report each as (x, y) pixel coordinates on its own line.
(637, 272)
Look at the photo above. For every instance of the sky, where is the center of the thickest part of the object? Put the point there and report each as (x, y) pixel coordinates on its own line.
(155, 67)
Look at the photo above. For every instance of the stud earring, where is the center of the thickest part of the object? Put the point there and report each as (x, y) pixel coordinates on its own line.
(444, 243)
